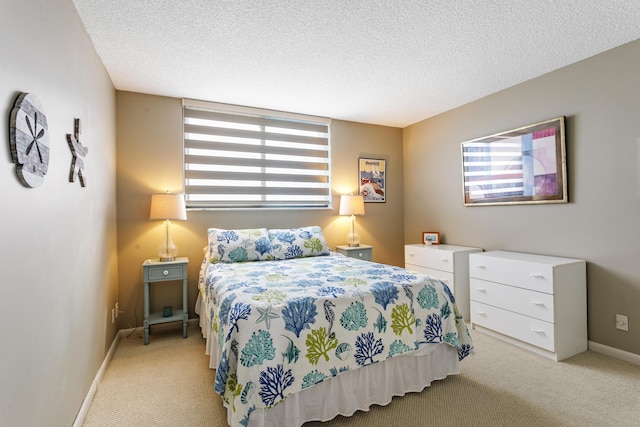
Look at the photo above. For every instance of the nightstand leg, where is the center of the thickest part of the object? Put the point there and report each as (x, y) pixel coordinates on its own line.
(185, 309)
(146, 313)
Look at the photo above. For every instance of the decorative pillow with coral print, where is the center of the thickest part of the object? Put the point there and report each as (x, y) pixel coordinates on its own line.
(298, 242)
(239, 245)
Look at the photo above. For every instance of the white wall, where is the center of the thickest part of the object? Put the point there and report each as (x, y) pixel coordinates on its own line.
(58, 241)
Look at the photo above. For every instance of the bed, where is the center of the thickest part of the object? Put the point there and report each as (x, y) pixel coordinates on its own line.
(289, 323)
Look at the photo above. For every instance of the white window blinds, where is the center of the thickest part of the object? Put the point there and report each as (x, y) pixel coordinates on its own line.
(240, 157)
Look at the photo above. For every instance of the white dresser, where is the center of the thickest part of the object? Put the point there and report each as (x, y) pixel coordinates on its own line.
(449, 263)
(534, 301)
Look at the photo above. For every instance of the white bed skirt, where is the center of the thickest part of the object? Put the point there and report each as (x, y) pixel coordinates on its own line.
(343, 394)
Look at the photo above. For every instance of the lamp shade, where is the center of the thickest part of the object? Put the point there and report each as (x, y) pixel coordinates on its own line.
(351, 205)
(168, 206)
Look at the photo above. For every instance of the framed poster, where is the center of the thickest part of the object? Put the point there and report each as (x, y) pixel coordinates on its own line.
(371, 173)
(524, 165)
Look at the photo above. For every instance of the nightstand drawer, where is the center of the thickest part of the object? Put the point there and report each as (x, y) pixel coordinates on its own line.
(362, 252)
(164, 272)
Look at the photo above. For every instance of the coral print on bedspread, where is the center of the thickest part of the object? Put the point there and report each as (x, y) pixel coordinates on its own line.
(283, 326)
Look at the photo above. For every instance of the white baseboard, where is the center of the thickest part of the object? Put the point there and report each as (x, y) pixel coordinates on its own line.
(615, 353)
(86, 404)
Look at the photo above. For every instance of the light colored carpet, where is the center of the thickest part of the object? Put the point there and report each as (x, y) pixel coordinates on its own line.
(168, 383)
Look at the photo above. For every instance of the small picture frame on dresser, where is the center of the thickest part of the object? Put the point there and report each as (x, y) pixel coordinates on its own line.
(430, 238)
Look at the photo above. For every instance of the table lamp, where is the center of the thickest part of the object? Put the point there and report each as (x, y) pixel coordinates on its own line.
(352, 205)
(167, 207)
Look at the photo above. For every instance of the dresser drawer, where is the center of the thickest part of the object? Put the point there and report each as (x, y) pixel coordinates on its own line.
(524, 301)
(164, 272)
(520, 273)
(429, 257)
(533, 331)
(446, 277)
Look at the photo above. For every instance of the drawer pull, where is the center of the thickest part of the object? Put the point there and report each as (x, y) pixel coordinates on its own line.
(444, 260)
(481, 266)
(482, 313)
(165, 273)
(360, 254)
(538, 303)
(537, 275)
(412, 255)
(538, 331)
(483, 290)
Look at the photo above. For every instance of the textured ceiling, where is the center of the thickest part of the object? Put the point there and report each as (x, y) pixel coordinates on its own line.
(389, 62)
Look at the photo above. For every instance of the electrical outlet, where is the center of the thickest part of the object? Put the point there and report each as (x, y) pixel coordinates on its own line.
(622, 322)
(113, 316)
(117, 309)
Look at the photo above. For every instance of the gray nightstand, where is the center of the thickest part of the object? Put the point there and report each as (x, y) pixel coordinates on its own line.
(155, 270)
(363, 252)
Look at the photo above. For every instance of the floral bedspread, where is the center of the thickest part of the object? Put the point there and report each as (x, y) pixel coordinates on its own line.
(283, 326)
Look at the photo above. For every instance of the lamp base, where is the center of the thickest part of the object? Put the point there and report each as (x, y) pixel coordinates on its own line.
(353, 239)
(167, 251)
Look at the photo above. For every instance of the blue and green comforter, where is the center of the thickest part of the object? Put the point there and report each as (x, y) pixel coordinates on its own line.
(283, 326)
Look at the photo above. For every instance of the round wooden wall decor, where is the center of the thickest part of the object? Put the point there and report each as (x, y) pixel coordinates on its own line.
(29, 139)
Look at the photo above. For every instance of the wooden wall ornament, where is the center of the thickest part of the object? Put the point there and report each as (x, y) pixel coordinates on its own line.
(29, 140)
(77, 151)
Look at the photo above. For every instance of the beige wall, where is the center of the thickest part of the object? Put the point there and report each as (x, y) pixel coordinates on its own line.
(57, 241)
(601, 99)
(149, 160)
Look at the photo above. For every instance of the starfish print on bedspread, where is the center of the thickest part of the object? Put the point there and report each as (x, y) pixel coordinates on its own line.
(266, 315)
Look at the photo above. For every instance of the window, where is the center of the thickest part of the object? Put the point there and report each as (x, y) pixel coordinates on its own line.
(240, 157)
